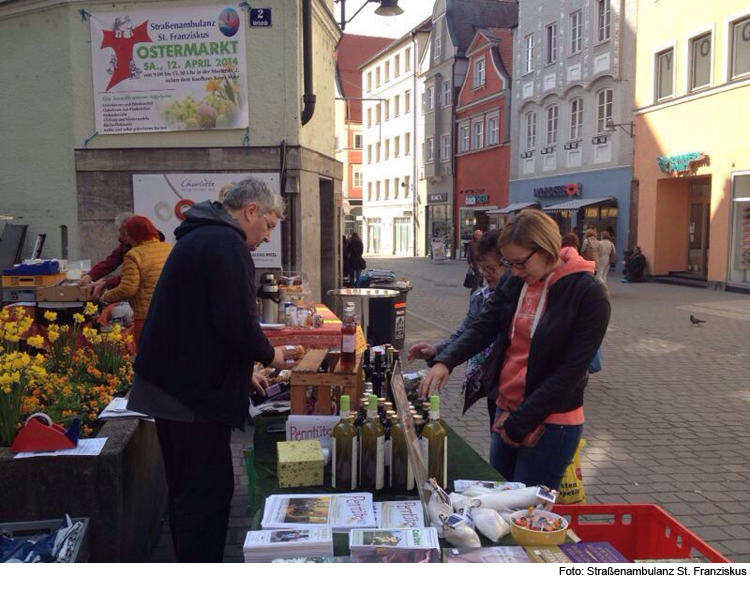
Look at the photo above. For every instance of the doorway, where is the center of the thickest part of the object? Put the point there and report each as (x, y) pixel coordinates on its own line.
(699, 225)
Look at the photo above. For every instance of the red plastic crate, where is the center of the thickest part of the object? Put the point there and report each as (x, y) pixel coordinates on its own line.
(639, 532)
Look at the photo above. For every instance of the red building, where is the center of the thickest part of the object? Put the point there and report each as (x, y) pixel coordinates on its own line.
(483, 134)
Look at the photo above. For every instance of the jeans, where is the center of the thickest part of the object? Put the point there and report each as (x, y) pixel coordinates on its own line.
(544, 463)
(354, 277)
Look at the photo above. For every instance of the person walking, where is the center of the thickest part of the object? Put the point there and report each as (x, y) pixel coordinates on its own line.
(548, 321)
(590, 246)
(472, 260)
(356, 262)
(607, 255)
(194, 368)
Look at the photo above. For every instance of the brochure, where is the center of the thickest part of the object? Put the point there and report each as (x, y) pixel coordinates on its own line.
(341, 512)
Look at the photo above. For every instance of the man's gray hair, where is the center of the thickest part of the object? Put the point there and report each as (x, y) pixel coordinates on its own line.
(252, 190)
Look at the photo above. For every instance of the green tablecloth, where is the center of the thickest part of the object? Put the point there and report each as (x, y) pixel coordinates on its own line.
(464, 463)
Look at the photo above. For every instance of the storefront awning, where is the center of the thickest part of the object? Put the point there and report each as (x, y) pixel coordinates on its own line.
(579, 203)
(513, 207)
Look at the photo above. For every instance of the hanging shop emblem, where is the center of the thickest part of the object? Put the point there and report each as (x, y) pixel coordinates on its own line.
(436, 198)
(567, 190)
(680, 163)
(477, 199)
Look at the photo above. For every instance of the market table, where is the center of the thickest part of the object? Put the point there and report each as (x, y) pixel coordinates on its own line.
(327, 336)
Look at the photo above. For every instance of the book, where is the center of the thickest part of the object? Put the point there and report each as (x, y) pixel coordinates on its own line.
(399, 514)
(411, 545)
(592, 552)
(265, 545)
(341, 512)
(494, 554)
(549, 554)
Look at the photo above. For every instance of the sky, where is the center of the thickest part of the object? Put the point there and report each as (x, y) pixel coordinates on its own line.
(368, 23)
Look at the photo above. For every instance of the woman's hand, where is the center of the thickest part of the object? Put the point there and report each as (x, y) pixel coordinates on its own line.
(434, 380)
(278, 358)
(259, 384)
(99, 288)
(420, 351)
(507, 440)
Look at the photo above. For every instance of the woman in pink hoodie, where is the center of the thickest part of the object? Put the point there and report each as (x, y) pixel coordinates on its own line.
(548, 320)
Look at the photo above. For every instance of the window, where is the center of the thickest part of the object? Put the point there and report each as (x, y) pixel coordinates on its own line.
(530, 130)
(377, 76)
(576, 32)
(357, 176)
(369, 117)
(428, 150)
(445, 147)
(369, 154)
(529, 53)
(396, 66)
(386, 189)
(357, 141)
(603, 109)
(407, 182)
(430, 99)
(377, 152)
(396, 147)
(387, 109)
(396, 106)
(387, 68)
(447, 92)
(463, 138)
(493, 130)
(551, 43)
(377, 190)
(407, 101)
(665, 74)
(576, 119)
(700, 62)
(369, 191)
(477, 135)
(741, 48)
(604, 18)
(407, 143)
(477, 79)
(369, 81)
(552, 112)
(438, 49)
(395, 188)
(387, 150)
(377, 114)
(407, 59)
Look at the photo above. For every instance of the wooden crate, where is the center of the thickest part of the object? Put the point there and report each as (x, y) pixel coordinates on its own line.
(307, 373)
(32, 281)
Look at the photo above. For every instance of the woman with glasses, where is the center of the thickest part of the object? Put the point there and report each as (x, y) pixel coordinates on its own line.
(547, 321)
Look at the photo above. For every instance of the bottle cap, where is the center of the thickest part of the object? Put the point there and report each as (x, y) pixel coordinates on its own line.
(344, 403)
(435, 403)
(372, 402)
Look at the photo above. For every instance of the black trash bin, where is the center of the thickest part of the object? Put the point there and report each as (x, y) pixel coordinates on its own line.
(387, 316)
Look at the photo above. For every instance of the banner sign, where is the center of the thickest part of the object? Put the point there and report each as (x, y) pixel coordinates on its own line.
(679, 163)
(164, 199)
(169, 69)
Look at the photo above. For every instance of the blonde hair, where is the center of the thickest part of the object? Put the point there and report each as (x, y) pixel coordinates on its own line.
(590, 233)
(533, 229)
(604, 235)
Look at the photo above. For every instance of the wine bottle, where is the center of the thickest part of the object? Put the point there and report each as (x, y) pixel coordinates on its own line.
(436, 445)
(367, 364)
(401, 477)
(377, 375)
(344, 450)
(372, 450)
(362, 414)
(349, 339)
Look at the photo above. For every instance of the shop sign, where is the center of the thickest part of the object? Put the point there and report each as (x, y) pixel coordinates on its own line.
(569, 190)
(680, 163)
(164, 199)
(169, 69)
(477, 199)
(436, 198)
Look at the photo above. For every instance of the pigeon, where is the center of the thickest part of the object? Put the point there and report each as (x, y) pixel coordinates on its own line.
(696, 321)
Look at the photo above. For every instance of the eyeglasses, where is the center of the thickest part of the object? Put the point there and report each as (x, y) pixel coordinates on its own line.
(519, 264)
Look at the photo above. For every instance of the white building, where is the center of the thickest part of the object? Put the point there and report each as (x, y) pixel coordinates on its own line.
(393, 201)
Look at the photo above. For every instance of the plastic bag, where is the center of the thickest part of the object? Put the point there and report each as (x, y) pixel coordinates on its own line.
(459, 501)
(439, 506)
(571, 485)
(458, 532)
(509, 500)
(489, 523)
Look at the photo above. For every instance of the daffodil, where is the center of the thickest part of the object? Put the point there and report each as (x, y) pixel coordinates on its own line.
(90, 309)
(36, 341)
(51, 316)
(79, 318)
(53, 335)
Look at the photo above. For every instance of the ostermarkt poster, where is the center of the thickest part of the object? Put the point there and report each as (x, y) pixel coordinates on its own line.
(169, 69)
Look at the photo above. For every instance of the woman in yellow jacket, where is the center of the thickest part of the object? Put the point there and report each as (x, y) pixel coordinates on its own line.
(141, 268)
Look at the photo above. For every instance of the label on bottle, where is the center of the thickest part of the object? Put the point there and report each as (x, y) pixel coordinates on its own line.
(380, 464)
(348, 343)
(388, 454)
(424, 449)
(355, 458)
(334, 445)
(445, 463)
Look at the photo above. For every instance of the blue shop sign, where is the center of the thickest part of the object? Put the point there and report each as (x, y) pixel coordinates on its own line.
(679, 163)
(477, 199)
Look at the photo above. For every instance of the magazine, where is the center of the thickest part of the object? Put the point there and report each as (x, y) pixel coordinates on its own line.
(265, 545)
(414, 545)
(593, 552)
(399, 514)
(341, 512)
(495, 554)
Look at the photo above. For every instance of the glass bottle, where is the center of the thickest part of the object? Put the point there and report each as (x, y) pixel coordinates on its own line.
(349, 339)
(401, 477)
(372, 449)
(436, 445)
(377, 375)
(344, 450)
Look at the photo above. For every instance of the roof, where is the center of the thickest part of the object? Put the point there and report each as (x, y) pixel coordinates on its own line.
(578, 204)
(424, 27)
(351, 51)
(513, 207)
(501, 41)
(465, 16)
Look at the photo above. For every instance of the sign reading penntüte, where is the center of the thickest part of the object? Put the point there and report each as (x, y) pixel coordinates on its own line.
(169, 69)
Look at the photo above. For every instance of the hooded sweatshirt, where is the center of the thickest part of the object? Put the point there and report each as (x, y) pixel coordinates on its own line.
(202, 336)
(529, 312)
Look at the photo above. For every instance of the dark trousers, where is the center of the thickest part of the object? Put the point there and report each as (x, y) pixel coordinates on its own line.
(200, 482)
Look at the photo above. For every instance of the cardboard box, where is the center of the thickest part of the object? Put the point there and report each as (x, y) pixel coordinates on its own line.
(64, 293)
(300, 463)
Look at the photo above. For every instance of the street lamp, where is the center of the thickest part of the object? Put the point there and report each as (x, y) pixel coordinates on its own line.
(386, 8)
(628, 128)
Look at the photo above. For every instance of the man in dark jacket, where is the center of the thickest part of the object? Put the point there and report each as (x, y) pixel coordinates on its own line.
(194, 366)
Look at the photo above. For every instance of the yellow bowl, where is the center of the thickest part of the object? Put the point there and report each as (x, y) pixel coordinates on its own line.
(527, 537)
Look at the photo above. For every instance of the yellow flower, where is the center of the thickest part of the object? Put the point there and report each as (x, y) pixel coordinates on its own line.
(13, 338)
(4, 314)
(53, 335)
(213, 85)
(79, 318)
(90, 309)
(51, 316)
(95, 340)
(11, 328)
(37, 342)
(89, 333)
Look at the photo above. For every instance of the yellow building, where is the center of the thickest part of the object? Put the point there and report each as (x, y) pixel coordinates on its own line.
(691, 165)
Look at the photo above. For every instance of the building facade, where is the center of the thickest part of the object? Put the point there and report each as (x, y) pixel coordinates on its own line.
(573, 91)
(483, 134)
(352, 51)
(69, 182)
(692, 156)
(442, 70)
(392, 196)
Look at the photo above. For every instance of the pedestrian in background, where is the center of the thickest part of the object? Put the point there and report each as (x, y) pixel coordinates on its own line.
(571, 239)
(472, 260)
(607, 256)
(355, 249)
(590, 246)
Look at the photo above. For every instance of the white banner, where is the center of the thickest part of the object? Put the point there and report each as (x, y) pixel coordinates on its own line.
(169, 69)
(164, 198)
